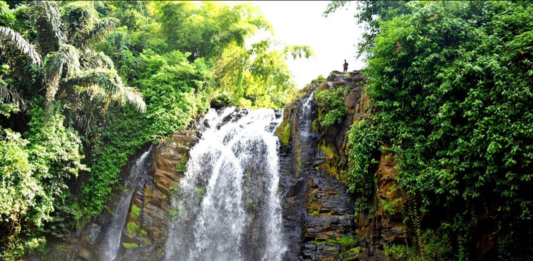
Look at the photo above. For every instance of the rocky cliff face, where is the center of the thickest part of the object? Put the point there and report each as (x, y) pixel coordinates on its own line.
(143, 232)
(318, 212)
(319, 222)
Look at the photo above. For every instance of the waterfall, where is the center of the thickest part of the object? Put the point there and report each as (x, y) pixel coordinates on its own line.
(227, 206)
(111, 242)
(306, 128)
(307, 137)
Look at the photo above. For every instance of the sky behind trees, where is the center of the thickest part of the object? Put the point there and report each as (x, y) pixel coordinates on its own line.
(302, 23)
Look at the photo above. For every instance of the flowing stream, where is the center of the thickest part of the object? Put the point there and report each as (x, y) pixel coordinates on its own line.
(111, 242)
(227, 206)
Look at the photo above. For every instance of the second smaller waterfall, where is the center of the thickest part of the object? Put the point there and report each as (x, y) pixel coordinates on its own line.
(111, 243)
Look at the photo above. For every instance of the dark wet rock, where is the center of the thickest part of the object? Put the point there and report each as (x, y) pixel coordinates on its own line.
(94, 231)
(317, 209)
(278, 113)
(309, 251)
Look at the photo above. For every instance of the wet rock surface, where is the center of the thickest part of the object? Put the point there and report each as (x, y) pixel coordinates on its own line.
(146, 226)
(318, 212)
(144, 232)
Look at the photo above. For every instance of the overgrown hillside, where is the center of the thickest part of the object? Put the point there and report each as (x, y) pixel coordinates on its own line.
(450, 87)
(70, 120)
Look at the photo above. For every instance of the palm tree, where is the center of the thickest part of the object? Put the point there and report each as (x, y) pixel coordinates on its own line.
(83, 80)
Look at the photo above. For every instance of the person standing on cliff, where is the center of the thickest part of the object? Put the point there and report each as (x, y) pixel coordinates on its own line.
(345, 66)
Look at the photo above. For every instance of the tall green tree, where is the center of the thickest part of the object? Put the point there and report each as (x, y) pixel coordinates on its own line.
(451, 85)
(67, 68)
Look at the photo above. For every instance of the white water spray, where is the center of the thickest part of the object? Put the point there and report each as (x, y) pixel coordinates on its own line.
(227, 206)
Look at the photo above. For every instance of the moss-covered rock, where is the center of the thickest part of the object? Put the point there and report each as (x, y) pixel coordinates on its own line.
(130, 245)
(284, 133)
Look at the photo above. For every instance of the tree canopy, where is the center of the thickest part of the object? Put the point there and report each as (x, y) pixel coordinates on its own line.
(450, 83)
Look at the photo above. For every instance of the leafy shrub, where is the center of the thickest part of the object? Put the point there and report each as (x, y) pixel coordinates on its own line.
(331, 105)
(34, 173)
(135, 211)
(182, 165)
(132, 228)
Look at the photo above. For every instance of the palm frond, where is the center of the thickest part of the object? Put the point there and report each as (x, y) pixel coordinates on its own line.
(91, 59)
(12, 44)
(19, 54)
(130, 95)
(10, 95)
(102, 28)
(50, 34)
(83, 111)
(111, 83)
(64, 63)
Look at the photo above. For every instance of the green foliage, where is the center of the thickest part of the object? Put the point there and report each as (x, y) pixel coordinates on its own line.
(132, 228)
(34, 173)
(173, 90)
(327, 149)
(399, 252)
(346, 241)
(432, 246)
(258, 77)
(354, 252)
(347, 245)
(200, 192)
(371, 15)
(135, 211)
(451, 82)
(182, 165)
(331, 107)
(284, 133)
(143, 233)
(130, 245)
(205, 30)
(435, 245)
(364, 156)
(315, 214)
(321, 79)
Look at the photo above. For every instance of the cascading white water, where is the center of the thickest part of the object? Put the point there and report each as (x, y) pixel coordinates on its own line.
(305, 127)
(227, 206)
(111, 242)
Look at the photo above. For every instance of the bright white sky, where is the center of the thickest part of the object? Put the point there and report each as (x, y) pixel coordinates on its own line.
(333, 39)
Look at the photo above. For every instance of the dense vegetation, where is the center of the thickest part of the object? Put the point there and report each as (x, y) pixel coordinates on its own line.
(450, 83)
(69, 120)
